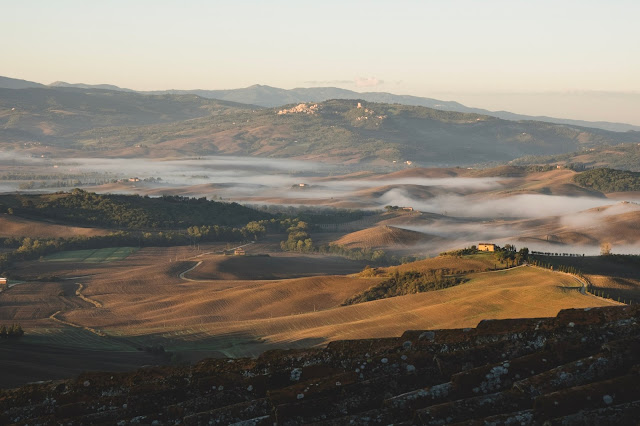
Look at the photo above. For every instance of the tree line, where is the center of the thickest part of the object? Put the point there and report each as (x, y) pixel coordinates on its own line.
(128, 211)
(14, 331)
(402, 283)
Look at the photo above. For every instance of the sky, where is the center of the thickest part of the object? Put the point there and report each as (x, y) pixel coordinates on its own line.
(570, 59)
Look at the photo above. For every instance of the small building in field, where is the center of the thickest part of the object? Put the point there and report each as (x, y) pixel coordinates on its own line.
(407, 209)
(134, 179)
(3, 283)
(239, 252)
(486, 247)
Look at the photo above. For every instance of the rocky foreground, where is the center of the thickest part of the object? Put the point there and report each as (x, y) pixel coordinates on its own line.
(580, 368)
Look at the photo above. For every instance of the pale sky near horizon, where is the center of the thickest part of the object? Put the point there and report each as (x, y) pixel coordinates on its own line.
(572, 59)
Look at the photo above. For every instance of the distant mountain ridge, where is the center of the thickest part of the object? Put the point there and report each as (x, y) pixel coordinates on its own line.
(90, 86)
(267, 96)
(14, 83)
(58, 122)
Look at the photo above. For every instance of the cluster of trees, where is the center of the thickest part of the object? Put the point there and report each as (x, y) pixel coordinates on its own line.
(251, 231)
(510, 255)
(461, 252)
(374, 256)
(130, 211)
(12, 332)
(609, 180)
(409, 282)
(378, 257)
(316, 215)
(298, 239)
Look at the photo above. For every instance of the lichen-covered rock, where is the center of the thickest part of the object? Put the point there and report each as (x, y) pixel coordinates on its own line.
(582, 367)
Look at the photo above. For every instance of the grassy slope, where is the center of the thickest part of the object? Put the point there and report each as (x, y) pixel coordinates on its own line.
(13, 226)
(170, 125)
(615, 276)
(305, 311)
(272, 267)
(47, 113)
(382, 237)
(92, 256)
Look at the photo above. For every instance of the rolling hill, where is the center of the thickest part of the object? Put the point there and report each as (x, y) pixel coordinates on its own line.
(621, 157)
(42, 114)
(295, 313)
(332, 131)
(268, 96)
(383, 236)
(14, 226)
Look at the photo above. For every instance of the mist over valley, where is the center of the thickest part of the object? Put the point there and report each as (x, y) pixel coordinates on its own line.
(319, 255)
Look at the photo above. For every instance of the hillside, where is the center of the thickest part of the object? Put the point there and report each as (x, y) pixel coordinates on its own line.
(272, 314)
(339, 131)
(64, 121)
(15, 83)
(14, 226)
(621, 157)
(268, 96)
(383, 237)
(40, 114)
(609, 180)
(127, 211)
(271, 267)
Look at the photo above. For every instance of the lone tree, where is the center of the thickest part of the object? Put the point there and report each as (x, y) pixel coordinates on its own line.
(605, 249)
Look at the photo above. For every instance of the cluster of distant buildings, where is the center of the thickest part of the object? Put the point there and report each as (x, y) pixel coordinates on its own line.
(301, 108)
(131, 179)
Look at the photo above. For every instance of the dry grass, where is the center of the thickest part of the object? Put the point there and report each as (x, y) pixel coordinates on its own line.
(13, 226)
(383, 237)
(625, 289)
(275, 266)
(456, 265)
(288, 313)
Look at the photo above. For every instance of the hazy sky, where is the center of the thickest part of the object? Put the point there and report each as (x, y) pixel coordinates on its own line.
(516, 55)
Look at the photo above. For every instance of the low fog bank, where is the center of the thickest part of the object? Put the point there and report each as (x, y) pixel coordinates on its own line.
(467, 235)
(516, 206)
(474, 209)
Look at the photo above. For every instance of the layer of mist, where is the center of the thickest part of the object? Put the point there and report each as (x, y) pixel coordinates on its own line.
(470, 209)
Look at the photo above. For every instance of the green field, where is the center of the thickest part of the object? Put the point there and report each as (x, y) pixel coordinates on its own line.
(92, 256)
